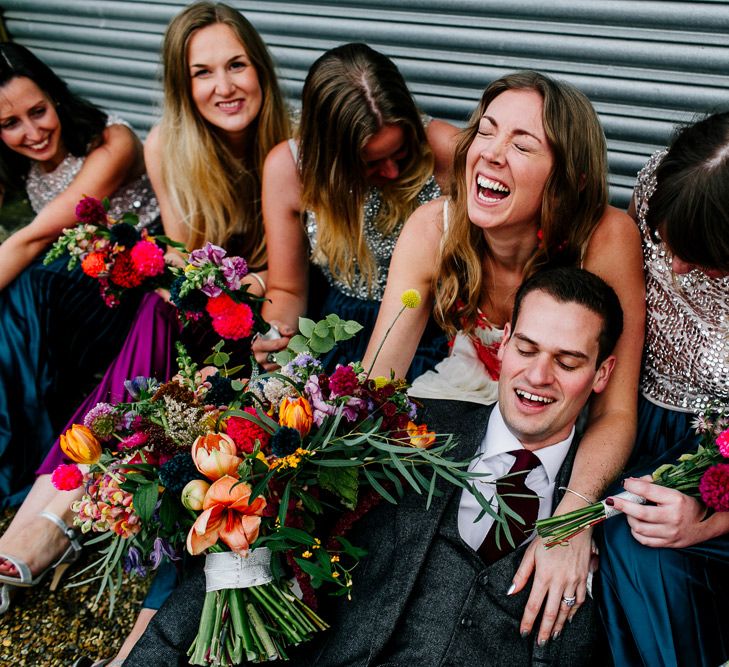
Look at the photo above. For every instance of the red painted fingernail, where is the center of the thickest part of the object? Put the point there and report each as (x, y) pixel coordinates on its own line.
(609, 502)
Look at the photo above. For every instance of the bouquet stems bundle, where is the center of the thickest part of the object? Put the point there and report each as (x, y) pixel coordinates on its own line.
(703, 474)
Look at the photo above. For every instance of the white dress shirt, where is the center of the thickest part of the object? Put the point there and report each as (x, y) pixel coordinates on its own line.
(492, 458)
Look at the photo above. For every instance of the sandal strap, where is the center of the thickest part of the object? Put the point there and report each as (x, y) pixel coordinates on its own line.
(70, 533)
(25, 577)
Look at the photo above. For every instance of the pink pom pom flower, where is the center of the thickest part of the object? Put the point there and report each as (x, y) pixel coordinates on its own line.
(148, 258)
(714, 487)
(67, 477)
(230, 319)
(722, 442)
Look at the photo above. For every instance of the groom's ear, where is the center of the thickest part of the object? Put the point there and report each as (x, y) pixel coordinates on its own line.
(504, 340)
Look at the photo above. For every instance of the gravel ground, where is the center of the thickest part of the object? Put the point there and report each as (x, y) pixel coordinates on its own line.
(53, 629)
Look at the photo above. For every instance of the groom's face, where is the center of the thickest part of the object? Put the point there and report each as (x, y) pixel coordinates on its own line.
(548, 369)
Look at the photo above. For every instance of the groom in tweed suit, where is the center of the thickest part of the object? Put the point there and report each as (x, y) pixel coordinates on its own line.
(423, 595)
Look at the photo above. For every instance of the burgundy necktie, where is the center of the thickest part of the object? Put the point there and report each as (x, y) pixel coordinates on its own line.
(520, 498)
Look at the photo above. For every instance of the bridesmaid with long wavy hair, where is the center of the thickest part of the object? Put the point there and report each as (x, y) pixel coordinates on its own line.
(223, 111)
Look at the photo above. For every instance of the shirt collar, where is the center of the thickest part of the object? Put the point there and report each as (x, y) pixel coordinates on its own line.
(499, 440)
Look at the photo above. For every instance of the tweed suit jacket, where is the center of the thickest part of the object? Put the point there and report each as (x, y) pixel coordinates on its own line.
(398, 539)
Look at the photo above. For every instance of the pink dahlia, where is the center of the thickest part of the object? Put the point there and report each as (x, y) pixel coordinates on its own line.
(722, 442)
(230, 319)
(148, 258)
(67, 477)
(714, 487)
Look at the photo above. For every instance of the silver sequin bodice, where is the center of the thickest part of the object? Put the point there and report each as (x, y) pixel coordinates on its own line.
(381, 246)
(686, 355)
(136, 197)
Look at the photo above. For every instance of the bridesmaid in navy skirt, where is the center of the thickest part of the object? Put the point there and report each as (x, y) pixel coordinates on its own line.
(56, 333)
(664, 567)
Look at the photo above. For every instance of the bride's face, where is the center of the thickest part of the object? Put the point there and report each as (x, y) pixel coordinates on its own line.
(509, 162)
(29, 124)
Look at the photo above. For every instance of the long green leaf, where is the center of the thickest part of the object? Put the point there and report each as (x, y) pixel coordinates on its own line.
(404, 472)
(378, 487)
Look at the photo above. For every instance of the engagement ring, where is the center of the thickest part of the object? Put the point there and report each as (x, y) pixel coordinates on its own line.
(271, 358)
(570, 602)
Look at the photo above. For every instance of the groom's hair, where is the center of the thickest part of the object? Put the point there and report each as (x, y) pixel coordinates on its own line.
(572, 285)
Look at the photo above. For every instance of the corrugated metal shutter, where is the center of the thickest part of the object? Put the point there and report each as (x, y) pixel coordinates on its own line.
(646, 65)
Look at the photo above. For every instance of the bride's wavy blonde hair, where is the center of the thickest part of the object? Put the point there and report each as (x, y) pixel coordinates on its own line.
(350, 93)
(574, 199)
(218, 194)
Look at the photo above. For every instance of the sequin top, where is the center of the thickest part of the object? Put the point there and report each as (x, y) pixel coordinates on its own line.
(686, 355)
(380, 245)
(136, 197)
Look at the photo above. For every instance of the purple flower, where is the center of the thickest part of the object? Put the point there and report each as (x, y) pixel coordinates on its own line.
(210, 288)
(161, 549)
(90, 211)
(133, 562)
(101, 420)
(320, 407)
(234, 268)
(209, 253)
(352, 407)
(136, 386)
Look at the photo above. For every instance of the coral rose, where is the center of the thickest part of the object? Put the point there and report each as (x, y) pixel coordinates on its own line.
(214, 455)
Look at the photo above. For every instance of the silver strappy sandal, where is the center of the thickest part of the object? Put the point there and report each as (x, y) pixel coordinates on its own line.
(25, 578)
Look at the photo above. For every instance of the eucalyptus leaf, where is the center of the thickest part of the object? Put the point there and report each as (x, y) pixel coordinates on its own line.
(320, 345)
(306, 326)
(298, 344)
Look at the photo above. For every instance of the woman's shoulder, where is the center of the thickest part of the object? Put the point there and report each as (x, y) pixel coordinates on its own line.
(281, 156)
(615, 226)
(427, 221)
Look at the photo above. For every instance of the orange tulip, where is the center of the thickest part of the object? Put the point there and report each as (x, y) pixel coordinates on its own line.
(80, 445)
(296, 413)
(214, 455)
(420, 436)
(227, 516)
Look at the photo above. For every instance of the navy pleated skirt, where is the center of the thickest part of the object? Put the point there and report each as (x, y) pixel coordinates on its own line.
(56, 338)
(663, 607)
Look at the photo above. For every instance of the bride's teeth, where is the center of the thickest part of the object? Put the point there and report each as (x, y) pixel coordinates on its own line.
(534, 397)
(492, 185)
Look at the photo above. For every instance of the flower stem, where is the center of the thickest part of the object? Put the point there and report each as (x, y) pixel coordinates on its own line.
(384, 338)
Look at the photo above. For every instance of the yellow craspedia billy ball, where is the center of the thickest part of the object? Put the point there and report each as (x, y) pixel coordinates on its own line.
(410, 298)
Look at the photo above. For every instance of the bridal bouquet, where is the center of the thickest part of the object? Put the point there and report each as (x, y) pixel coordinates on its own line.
(703, 474)
(114, 252)
(311, 449)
